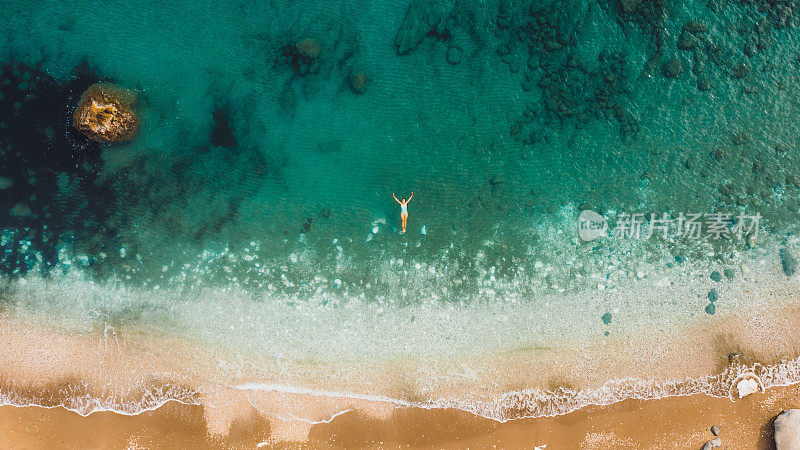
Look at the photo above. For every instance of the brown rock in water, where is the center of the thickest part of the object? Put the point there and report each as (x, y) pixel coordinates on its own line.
(106, 113)
(309, 48)
(358, 81)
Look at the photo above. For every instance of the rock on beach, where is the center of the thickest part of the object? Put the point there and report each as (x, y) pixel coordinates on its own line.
(787, 430)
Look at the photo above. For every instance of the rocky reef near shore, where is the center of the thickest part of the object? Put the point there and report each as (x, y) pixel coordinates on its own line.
(50, 189)
(106, 113)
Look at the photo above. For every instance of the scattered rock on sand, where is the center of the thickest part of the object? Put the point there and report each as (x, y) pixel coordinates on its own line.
(607, 318)
(729, 272)
(715, 430)
(748, 384)
(787, 430)
(711, 309)
(106, 113)
(716, 442)
(716, 276)
(788, 262)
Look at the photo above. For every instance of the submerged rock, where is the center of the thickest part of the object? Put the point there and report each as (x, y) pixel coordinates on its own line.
(308, 47)
(787, 430)
(730, 273)
(221, 134)
(5, 183)
(630, 5)
(106, 113)
(607, 318)
(302, 56)
(788, 262)
(687, 41)
(696, 27)
(20, 210)
(673, 68)
(454, 55)
(421, 17)
(715, 430)
(358, 82)
(716, 442)
(740, 71)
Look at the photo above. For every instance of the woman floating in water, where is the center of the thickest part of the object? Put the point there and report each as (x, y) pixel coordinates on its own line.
(403, 209)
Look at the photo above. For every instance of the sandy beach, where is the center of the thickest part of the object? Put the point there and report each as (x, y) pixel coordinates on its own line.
(676, 422)
(673, 385)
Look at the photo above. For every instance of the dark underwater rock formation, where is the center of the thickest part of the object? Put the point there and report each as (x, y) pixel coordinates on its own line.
(310, 48)
(358, 82)
(649, 15)
(302, 56)
(673, 68)
(49, 169)
(222, 135)
(422, 17)
(788, 262)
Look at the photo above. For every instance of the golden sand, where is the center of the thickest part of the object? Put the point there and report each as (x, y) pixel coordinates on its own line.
(670, 423)
(373, 402)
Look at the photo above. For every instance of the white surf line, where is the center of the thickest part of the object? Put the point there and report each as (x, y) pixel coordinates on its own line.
(100, 408)
(289, 389)
(300, 419)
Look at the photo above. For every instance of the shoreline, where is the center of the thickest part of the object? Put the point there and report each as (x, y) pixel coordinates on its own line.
(294, 412)
(674, 422)
(129, 368)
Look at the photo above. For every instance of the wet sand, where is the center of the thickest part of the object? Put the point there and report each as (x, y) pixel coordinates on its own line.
(242, 406)
(675, 422)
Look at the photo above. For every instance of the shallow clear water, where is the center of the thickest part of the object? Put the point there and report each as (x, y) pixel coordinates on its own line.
(253, 213)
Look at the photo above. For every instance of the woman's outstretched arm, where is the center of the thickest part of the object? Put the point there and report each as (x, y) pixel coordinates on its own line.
(395, 198)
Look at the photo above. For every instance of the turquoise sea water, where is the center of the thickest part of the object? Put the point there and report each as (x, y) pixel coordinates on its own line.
(256, 201)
